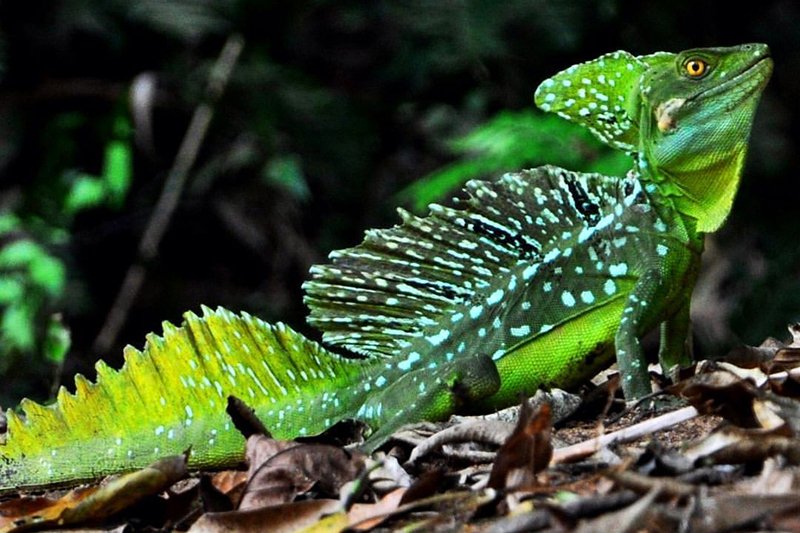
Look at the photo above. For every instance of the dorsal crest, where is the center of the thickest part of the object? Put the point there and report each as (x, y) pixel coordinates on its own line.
(478, 276)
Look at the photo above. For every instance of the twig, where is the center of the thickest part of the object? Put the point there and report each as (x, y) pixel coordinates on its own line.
(170, 194)
(491, 431)
(588, 447)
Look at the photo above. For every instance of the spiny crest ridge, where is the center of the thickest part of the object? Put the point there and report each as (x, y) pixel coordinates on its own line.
(189, 369)
(400, 284)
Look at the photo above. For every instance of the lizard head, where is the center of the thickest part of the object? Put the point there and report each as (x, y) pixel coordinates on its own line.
(686, 117)
(696, 111)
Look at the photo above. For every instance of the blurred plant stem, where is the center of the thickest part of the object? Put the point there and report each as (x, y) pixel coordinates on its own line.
(170, 195)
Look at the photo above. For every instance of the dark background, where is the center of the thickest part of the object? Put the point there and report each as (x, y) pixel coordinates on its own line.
(333, 108)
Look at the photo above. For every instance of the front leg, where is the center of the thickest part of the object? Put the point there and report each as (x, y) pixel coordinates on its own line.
(630, 357)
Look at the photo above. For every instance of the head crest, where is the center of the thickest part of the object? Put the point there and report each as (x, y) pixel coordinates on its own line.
(601, 95)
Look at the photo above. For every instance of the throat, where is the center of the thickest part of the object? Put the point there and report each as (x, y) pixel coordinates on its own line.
(703, 190)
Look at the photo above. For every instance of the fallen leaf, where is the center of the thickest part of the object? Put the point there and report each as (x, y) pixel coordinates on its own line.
(721, 393)
(279, 471)
(94, 504)
(733, 445)
(364, 516)
(244, 418)
(527, 451)
(284, 518)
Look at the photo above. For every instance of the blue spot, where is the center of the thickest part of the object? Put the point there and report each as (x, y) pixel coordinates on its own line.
(412, 358)
(587, 297)
(495, 297)
(521, 331)
(567, 299)
(610, 287)
(620, 269)
(498, 354)
(530, 271)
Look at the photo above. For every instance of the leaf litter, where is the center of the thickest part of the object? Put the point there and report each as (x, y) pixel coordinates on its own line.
(721, 454)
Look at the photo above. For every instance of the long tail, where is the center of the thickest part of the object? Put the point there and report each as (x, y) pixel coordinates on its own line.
(172, 396)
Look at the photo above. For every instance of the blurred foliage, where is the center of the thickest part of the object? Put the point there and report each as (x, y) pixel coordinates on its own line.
(334, 107)
(512, 141)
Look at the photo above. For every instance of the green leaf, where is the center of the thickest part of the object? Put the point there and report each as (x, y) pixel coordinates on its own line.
(57, 340)
(8, 222)
(17, 326)
(20, 253)
(11, 289)
(118, 163)
(286, 172)
(86, 191)
(48, 273)
(510, 141)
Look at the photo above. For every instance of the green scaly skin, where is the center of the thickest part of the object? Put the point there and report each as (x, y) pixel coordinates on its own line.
(536, 280)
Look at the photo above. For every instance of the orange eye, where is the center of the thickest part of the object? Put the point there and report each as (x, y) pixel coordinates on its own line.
(695, 67)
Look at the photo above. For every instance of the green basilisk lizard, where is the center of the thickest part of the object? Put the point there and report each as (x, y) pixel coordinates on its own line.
(536, 280)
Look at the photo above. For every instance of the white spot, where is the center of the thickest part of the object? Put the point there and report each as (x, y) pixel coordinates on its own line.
(610, 287)
(520, 331)
(661, 250)
(159, 430)
(412, 358)
(620, 269)
(530, 271)
(587, 297)
(476, 311)
(440, 337)
(567, 299)
(547, 286)
(495, 297)
(545, 328)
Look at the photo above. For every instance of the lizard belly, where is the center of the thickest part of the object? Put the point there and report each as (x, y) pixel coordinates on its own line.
(564, 356)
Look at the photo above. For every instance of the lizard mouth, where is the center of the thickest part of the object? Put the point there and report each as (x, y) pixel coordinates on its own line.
(743, 84)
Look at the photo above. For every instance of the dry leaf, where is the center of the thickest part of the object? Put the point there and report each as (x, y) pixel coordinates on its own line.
(285, 518)
(94, 504)
(527, 451)
(721, 393)
(279, 471)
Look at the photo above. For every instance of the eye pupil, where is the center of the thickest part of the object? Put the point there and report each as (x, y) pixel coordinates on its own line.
(695, 67)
